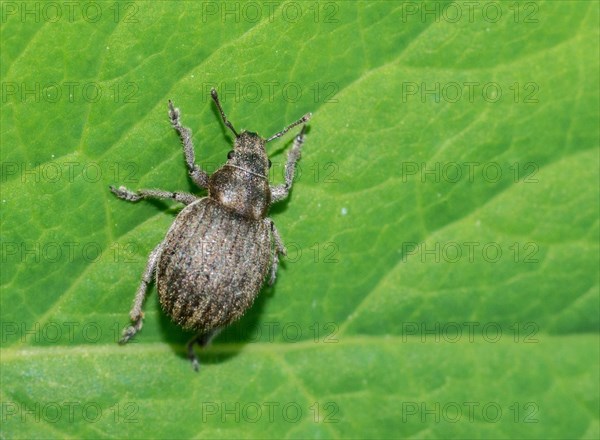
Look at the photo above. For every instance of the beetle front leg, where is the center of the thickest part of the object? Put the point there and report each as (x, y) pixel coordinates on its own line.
(280, 192)
(278, 250)
(136, 314)
(198, 175)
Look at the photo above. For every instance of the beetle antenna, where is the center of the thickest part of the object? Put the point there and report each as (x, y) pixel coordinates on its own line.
(215, 97)
(304, 118)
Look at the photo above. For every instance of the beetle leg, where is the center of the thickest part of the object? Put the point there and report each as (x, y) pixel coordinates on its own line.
(198, 175)
(280, 192)
(136, 314)
(134, 196)
(202, 339)
(279, 248)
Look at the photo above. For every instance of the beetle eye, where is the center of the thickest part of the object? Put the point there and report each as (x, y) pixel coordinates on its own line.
(269, 162)
(230, 154)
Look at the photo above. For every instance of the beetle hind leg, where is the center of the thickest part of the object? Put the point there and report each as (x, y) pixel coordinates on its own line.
(136, 314)
(202, 339)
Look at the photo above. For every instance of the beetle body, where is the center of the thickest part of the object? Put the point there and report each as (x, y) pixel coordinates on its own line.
(215, 257)
(212, 265)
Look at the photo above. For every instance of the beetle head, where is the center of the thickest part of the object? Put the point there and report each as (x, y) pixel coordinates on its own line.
(249, 154)
(242, 183)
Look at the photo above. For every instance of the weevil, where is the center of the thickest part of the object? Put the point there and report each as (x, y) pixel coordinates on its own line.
(218, 252)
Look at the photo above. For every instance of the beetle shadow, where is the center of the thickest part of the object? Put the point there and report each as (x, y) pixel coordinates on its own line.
(227, 344)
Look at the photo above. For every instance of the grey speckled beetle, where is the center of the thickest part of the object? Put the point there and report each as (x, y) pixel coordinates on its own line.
(216, 255)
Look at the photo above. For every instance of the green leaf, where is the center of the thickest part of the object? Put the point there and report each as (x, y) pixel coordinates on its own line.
(442, 270)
